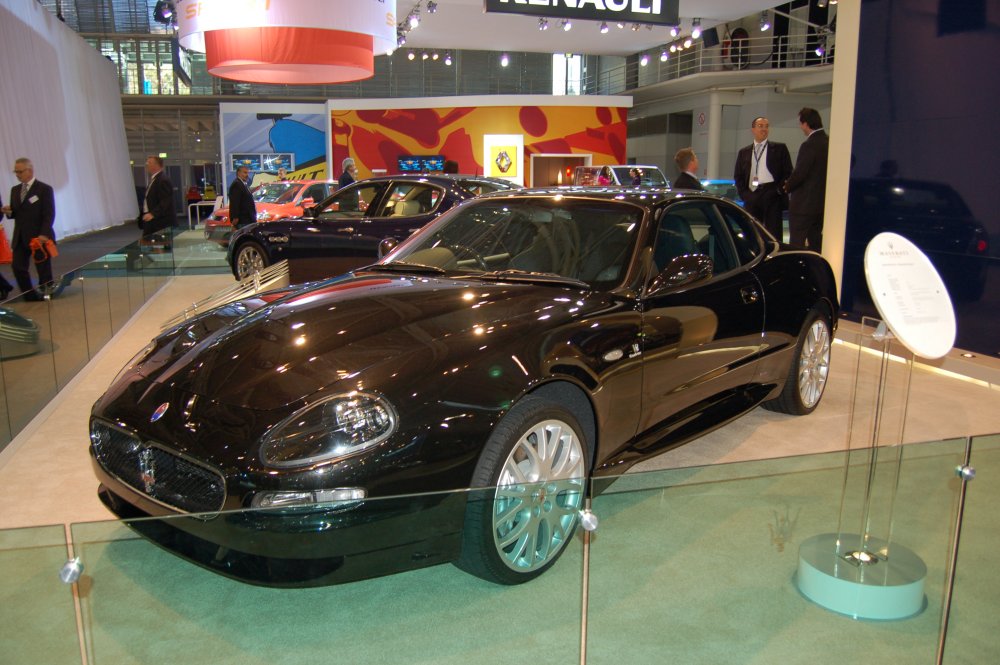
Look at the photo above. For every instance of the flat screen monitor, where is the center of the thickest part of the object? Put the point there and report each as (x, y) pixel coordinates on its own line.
(420, 163)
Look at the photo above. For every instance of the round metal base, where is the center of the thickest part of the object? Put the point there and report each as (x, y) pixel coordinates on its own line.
(862, 585)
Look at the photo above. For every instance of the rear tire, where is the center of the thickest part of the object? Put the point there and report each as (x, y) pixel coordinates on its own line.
(249, 258)
(809, 370)
(534, 469)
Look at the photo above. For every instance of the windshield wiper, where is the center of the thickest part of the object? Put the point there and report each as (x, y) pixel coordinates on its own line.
(512, 275)
(402, 266)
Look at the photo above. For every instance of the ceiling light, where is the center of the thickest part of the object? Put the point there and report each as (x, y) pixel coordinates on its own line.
(688, 42)
(821, 3)
(504, 60)
(447, 58)
(543, 24)
(164, 12)
(435, 56)
(765, 24)
(833, 2)
(414, 18)
(424, 56)
(432, 7)
(696, 28)
(673, 48)
(400, 40)
(620, 25)
(604, 28)
(566, 24)
(644, 60)
(664, 56)
(411, 55)
(635, 27)
(675, 30)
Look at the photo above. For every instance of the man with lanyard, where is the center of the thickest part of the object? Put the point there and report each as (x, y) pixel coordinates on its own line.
(761, 170)
(242, 208)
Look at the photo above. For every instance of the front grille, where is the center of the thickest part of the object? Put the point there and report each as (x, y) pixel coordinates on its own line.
(157, 473)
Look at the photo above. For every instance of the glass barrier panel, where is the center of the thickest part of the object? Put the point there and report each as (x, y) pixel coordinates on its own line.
(37, 611)
(146, 604)
(26, 351)
(698, 565)
(69, 342)
(972, 626)
(94, 285)
(120, 276)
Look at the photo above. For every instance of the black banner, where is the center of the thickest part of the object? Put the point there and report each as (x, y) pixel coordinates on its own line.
(657, 12)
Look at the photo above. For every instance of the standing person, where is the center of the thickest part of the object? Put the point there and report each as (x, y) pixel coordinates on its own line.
(350, 172)
(242, 208)
(806, 186)
(760, 174)
(33, 209)
(158, 203)
(282, 173)
(687, 162)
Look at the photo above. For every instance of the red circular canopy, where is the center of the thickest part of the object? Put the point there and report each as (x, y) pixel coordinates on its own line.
(289, 55)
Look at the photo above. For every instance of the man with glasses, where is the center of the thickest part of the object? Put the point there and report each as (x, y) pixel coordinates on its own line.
(761, 170)
(33, 208)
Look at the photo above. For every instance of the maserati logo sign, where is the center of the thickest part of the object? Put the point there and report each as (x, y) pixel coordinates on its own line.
(658, 12)
(160, 410)
(147, 469)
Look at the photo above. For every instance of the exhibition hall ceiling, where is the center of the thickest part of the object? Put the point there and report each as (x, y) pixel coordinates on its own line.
(462, 24)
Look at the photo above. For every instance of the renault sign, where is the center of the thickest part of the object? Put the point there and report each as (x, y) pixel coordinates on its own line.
(658, 12)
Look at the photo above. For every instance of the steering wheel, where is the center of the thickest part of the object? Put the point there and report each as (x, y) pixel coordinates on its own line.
(465, 250)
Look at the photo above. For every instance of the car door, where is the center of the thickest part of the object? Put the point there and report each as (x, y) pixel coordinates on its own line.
(700, 342)
(406, 208)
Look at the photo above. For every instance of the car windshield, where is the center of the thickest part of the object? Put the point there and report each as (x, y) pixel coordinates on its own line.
(648, 176)
(576, 239)
(275, 192)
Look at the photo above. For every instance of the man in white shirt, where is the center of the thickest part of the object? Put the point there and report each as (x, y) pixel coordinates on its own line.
(760, 173)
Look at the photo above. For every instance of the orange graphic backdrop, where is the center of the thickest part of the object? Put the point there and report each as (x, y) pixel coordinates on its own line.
(377, 138)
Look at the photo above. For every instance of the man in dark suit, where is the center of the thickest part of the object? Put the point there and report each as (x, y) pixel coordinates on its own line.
(687, 162)
(33, 209)
(242, 209)
(806, 186)
(760, 173)
(158, 204)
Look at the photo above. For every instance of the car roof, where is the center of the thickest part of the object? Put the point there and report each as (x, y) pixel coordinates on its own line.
(642, 196)
(439, 178)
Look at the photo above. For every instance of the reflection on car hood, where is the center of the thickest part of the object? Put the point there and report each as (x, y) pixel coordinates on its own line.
(313, 337)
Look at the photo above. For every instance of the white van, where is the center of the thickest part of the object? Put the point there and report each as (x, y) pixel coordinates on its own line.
(619, 174)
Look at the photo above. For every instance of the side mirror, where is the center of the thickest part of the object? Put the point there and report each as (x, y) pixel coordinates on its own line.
(307, 202)
(386, 245)
(309, 211)
(683, 271)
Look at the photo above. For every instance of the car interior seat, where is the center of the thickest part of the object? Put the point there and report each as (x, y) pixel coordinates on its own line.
(673, 239)
(406, 208)
(602, 259)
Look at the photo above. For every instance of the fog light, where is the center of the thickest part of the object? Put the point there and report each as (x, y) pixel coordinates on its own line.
(341, 498)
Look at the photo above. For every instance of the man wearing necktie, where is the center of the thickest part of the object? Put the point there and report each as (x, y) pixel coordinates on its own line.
(242, 209)
(761, 170)
(33, 209)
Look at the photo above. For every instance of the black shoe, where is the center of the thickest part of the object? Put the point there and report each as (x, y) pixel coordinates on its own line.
(4, 292)
(31, 296)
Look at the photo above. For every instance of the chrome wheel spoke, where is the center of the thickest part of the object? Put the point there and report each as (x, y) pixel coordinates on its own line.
(814, 363)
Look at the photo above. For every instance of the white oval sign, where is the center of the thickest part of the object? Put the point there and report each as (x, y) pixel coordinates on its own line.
(909, 295)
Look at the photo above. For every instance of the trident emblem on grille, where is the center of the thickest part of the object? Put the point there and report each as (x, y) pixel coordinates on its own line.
(147, 470)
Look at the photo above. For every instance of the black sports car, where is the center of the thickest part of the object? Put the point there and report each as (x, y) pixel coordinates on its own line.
(525, 341)
(344, 230)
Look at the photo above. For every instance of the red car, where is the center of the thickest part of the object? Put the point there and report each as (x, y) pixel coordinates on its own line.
(275, 200)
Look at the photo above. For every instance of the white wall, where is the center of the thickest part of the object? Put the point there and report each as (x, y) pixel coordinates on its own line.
(60, 107)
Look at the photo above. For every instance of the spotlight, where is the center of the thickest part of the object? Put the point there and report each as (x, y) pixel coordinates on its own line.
(447, 58)
(696, 28)
(504, 60)
(673, 48)
(411, 55)
(543, 24)
(424, 56)
(675, 30)
(431, 6)
(620, 25)
(635, 27)
(821, 3)
(604, 28)
(765, 24)
(664, 56)
(435, 56)
(400, 40)
(164, 12)
(566, 24)
(644, 60)
(688, 42)
(414, 18)
(833, 2)
(821, 46)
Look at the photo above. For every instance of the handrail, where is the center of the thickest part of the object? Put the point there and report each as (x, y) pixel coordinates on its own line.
(272, 277)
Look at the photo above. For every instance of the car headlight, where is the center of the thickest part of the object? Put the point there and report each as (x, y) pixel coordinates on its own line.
(337, 426)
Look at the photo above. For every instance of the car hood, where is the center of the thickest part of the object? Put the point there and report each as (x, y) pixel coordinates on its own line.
(310, 339)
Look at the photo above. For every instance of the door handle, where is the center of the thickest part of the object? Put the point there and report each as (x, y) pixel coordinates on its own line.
(346, 229)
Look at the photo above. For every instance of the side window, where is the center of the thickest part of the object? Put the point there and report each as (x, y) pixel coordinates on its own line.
(743, 231)
(315, 192)
(409, 199)
(352, 202)
(693, 228)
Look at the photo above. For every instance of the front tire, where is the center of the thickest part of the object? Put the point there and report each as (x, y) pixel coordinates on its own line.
(534, 467)
(250, 258)
(809, 370)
